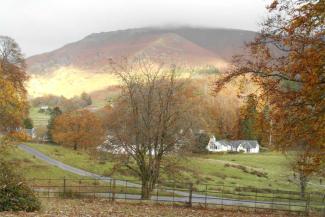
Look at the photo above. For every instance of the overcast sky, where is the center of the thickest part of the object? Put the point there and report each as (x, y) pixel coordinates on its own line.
(43, 25)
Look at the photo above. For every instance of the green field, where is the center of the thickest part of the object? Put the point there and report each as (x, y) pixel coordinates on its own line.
(39, 119)
(264, 170)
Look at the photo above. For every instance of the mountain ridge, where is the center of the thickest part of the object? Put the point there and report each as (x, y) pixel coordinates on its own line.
(197, 45)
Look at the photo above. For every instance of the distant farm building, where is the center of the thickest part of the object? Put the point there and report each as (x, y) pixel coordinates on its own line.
(45, 107)
(246, 146)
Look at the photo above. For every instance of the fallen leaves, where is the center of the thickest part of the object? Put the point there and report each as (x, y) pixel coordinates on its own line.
(104, 208)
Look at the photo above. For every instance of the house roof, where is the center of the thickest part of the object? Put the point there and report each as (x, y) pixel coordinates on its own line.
(236, 143)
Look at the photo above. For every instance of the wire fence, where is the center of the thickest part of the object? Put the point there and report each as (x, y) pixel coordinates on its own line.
(183, 193)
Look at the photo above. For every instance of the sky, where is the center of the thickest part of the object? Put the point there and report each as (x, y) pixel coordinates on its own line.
(44, 25)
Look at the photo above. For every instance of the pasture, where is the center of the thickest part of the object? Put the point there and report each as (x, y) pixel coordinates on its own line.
(264, 170)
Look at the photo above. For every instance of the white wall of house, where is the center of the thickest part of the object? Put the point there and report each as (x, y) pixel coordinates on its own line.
(255, 150)
(216, 146)
(251, 150)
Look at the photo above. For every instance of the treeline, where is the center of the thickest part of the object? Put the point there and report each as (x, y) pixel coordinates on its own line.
(232, 114)
(62, 102)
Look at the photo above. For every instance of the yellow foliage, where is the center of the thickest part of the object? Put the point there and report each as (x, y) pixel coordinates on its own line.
(13, 104)
(69, 82)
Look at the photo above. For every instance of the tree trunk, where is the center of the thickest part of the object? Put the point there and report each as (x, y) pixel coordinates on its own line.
(148, 184)
(145, 190)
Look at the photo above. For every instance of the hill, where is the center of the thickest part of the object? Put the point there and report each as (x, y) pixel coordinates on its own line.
(193, 46)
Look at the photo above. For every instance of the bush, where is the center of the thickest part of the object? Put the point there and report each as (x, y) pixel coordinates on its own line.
(19, 136)
(201, 141)
(15, 195)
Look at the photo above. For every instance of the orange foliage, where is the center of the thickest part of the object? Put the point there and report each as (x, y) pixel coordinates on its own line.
(19, 136)
(78, 129)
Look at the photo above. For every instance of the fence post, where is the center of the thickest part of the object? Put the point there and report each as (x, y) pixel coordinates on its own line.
(113, 191)
(324, 205)
(223, 188)
(174, 194)
(79, 192)
(157, 193)
(110, 190)
(190, 195)
(290, 201)
(272, 201)
(206, 194)
(255, 198)
(48, 188)
(126, 189)
(307, 205)
(94, 188)
(64, 187)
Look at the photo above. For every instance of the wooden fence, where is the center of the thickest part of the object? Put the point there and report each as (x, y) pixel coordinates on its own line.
(185, 193)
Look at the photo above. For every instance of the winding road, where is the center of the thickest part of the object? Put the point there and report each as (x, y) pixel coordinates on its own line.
(180, 196)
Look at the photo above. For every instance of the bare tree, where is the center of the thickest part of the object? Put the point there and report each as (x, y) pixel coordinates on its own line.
(152, 117)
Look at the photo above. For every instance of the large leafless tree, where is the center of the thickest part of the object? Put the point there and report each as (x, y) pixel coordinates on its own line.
(153, 117)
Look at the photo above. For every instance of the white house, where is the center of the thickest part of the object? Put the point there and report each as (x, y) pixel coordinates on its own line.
(246, 146)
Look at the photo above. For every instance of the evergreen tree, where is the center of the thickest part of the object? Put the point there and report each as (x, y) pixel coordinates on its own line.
(28, 123)
(249, 119)
(55, 112)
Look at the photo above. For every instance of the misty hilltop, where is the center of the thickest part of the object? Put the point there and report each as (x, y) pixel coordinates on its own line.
(186, 45)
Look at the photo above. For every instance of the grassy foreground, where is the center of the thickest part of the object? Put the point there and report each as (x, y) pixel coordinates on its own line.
(264, 170)
(101, 208)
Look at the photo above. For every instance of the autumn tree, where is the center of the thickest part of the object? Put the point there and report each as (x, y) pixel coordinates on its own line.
(287, 61)
(13, 100)
(78, 129)
(152, 118)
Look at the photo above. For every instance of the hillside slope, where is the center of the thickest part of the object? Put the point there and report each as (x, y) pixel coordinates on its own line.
(193, 46)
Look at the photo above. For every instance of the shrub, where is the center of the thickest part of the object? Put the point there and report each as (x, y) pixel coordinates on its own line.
(19, 136)
(201, 141)
(15, 195)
